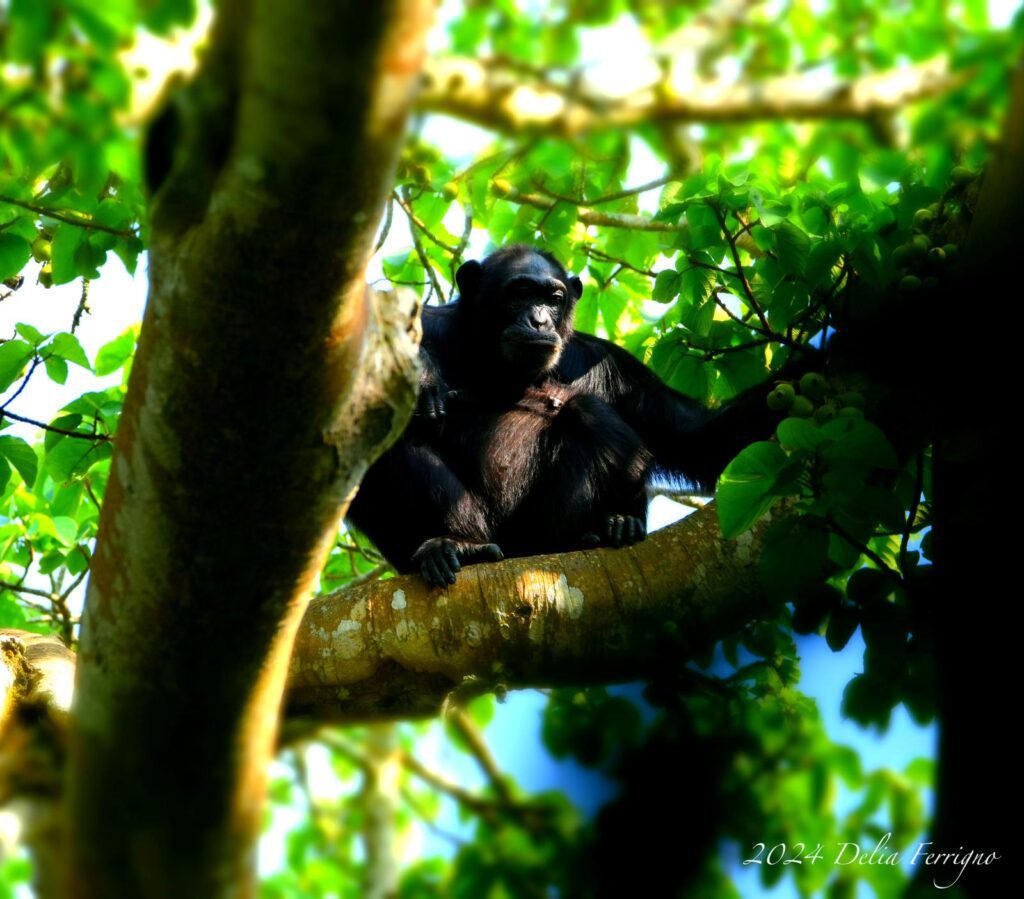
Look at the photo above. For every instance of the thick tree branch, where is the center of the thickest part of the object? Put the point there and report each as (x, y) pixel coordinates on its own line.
(497, 96)
(591, 216)
(395, 649)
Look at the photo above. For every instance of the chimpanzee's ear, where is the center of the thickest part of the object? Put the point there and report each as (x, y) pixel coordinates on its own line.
(468, 278)
(575, 287)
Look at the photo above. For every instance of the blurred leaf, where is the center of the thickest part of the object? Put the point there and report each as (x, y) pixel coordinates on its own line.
(14, 357)
(745, 489)
(14, 254)
(21, 456)
(113, 355)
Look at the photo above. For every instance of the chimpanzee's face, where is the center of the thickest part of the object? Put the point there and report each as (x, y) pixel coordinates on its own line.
(524, 303)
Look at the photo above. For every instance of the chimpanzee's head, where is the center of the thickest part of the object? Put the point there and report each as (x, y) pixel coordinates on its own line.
(519, 302)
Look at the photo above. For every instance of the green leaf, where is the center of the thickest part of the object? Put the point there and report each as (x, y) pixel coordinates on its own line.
(127, 250)
(52, 560)
(846, 763)
(114, 354)
(113, 214)
(67, 347)
(868, 700)
(161, 15)
(921, 770)
(66, 529)
(56, 368)
(32, 335)
(71, 456)
(21, 456)
(13, 615)
(794, 557)
(66, 241)
(14, 356)
(560, 220)
(14, 253)
(745, 489)
(666, 286)
(699, 318)
(30, 24)
(738, 371)
(696, 284)
(798, 433)
(65, 423)
(859, 443)
(705, 231)
(481, 710)
(841, 625)
(792, 246)
(76, 561)
(686, 373)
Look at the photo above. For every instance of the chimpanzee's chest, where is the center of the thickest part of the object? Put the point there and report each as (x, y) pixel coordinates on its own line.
(499, 454)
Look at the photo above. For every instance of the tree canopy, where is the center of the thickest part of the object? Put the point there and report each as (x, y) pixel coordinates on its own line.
(737, 184)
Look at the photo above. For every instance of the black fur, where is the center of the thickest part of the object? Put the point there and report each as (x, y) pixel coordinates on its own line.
(530, 437)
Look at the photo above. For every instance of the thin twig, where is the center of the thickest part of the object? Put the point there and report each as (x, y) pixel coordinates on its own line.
(4, 413)
(475, 742)
(82, 306)
(24, 383)
(66, 217)
(864, 550)
(912, 515)
(740, 273)
(33, 591)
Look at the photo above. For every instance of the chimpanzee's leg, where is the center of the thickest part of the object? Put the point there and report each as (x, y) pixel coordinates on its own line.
(421, 516)
(589, 487)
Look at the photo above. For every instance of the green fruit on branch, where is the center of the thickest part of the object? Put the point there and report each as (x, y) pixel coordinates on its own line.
(781, 398)
(961, 175)
(825, 414)
(801, 408)
(41, 249)
(812, 385)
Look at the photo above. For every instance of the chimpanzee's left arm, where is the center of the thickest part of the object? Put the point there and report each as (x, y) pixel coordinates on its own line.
(685, 437)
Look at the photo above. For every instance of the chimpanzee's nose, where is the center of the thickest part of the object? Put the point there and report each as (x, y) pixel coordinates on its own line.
(540, 318)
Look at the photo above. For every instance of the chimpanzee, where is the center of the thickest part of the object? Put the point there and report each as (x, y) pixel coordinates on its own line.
(530, 437)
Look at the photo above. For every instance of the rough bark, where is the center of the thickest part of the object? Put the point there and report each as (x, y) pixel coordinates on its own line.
(397, 649)
(266, 380)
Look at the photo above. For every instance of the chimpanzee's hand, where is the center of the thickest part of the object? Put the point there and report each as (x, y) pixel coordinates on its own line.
(439, 559)
(619, 530)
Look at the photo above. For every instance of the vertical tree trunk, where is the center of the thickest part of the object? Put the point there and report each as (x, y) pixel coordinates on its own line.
(975, 470)
(266, 380)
